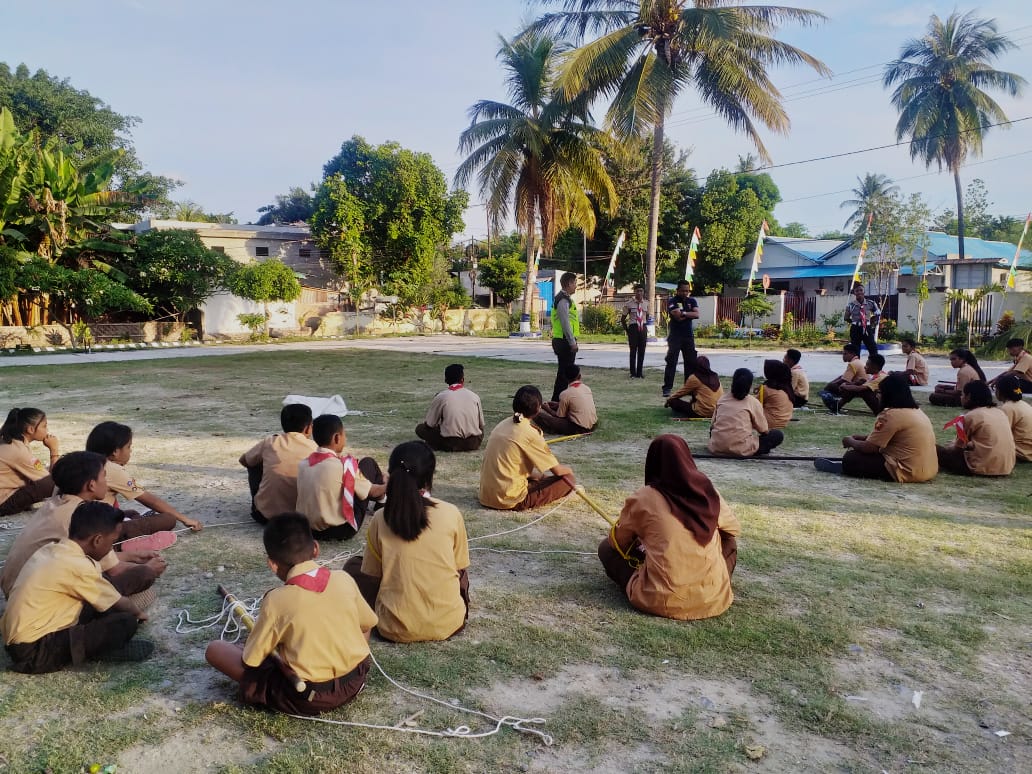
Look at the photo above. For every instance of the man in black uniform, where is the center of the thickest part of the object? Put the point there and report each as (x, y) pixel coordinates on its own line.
(682, 309)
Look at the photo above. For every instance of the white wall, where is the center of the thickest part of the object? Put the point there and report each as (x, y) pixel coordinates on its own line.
(221, 310)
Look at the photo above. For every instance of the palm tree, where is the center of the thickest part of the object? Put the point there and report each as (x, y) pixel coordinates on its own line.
(538, 155)
(647, 52)
(940, 97)
(871, 190)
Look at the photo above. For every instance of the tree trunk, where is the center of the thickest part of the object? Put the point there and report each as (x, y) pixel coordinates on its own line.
(265, 307)
(528, 291)
(960, 214)
(656, 189)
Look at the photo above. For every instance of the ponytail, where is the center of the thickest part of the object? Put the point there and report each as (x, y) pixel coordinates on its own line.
(18, 423)
(411, 473)
(526, 403)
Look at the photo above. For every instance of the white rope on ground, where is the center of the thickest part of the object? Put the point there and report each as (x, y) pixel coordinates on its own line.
(460, 732)
(10, 525)
(232, 628)
(520, 551)
(343, 556)
(558, 505)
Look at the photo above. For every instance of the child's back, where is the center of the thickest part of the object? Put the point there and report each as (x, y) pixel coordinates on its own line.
(278, 457)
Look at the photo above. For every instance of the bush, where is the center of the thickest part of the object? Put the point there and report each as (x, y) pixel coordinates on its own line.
(726, 328)
(771, 331)
(887, 330)
(707, 332)
(788, 327)
(600, 319)
(514, 322)
(1005, 323)
(254, 322)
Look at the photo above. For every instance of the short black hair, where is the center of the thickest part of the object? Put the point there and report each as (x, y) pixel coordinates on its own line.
(979, 393)
(852, 348)
(454, 373)
(567, 278)
(526, 402)
(639, 287)
(794, 355)
(741, 383)
(683, 283)
(108, 437)
(1015, 343)
(877, 360)
(288, 539)
(74, 471)
(295, 417)
(571, 372)
(895, 392)
(324, 427)
(94, 518)
(908, 340)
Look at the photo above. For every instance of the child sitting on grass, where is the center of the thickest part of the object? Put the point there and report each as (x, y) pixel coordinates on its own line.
(114, 442)
(314, 629)
(334, 490)
(80, 477)
(272, 463)
(414, 569)
(62, 609)
(24, 480)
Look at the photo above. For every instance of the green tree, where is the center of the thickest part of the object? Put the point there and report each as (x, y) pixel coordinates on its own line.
(384, 213)
(940, 95)
(295, 206)
(648, 52)
(75, 118)
(871, 191)
(538, 156)
(897, 240)
(174, 271)
(794, 229)
(190, 212)
(264, 282)
(503, 274)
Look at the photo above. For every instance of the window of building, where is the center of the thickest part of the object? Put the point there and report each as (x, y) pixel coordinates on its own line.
(970, 276)
(261, 252)
(219, 249)
(305, 252)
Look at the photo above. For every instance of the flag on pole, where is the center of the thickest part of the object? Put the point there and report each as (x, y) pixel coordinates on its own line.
(757, 255)
(863, 251)
(1012, 276)
(612, 261)
(537, 260)
(693, 248)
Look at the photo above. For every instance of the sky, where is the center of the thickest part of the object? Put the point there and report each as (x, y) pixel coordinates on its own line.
(242, 100)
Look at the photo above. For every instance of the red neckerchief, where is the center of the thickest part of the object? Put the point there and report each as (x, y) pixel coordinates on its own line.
(639, 315)
(454, 387)
(575, 384)
(347, 499)
(316, 583)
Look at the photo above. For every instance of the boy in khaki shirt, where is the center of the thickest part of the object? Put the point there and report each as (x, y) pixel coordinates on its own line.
(867, 390)
(1022, 367)
(272, 463)
(83, 477)
(917, 367)
(455, 420)
(575, 412)
(333, 488)
(832, 395)
(62, 610)
(312, 633)
(800, 383)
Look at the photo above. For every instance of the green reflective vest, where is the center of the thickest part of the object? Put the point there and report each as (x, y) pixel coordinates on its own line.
(557, 326)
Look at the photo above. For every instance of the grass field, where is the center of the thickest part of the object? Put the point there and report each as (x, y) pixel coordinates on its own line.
(850, 597)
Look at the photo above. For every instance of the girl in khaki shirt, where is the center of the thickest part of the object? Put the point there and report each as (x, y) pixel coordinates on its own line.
(736, 417)
(984, 445)
(24, 480)
(700, 393)
(900, 448)
(413, 573)
(968, 370)
(775, 394)
(674, 547)
(1019, 413)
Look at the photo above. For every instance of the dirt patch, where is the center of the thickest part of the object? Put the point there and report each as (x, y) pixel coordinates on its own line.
(666, 698)
(193, 751)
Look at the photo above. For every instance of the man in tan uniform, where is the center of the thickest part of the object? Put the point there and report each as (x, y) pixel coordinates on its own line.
(1022, 367)
(832, 395)
(455, 420)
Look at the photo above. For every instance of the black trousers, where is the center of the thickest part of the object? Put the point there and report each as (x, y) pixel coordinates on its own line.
(679, 347)
(94, 635)
(636, 339)
(858, 333)
(860, 465)
(564, 356)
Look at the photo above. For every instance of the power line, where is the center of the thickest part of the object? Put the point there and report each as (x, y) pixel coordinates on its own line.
(880, 147)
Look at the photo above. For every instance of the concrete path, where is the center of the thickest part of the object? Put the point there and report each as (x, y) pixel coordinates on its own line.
(821, 367)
